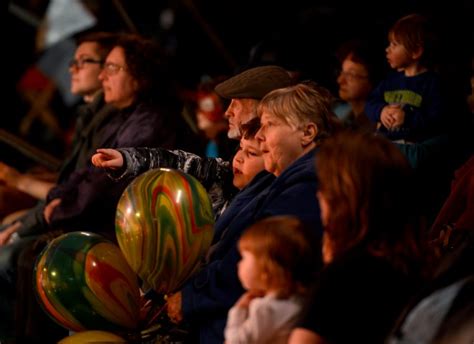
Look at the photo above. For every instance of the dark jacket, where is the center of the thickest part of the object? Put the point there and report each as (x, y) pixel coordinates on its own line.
(421, 99)
(209, 295)
(357, 298)
(92, 119)
(89, 197)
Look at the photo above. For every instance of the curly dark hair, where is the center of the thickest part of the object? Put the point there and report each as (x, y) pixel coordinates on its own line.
(146, 63)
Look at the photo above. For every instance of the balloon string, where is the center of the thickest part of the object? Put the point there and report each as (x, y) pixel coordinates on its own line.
(155, 316)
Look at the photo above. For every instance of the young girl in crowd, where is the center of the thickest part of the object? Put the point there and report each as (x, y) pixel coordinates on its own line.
(275, 269)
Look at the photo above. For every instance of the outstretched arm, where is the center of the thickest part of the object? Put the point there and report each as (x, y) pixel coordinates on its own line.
(131, 162)
(214, 174)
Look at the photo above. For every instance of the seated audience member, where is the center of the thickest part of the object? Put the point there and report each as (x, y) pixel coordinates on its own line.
(360, 71)
(374, 258)
(212, 123)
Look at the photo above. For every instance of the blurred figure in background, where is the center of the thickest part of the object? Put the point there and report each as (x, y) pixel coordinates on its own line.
(211, 121)
(360, 71)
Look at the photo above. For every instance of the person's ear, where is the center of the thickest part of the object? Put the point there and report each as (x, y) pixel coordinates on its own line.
(309, 133)
(416, 55)
(135, 86)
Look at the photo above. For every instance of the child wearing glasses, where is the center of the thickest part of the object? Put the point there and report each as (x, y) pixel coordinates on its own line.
(407, 106)
(278, 256)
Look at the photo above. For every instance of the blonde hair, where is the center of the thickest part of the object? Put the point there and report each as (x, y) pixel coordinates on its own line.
(286, 251)
(300, 104)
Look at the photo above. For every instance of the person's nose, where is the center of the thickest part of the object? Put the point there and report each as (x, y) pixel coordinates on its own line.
(259, 135)
(238, 157)
(228, 113)
(340, 79)
(102, 75)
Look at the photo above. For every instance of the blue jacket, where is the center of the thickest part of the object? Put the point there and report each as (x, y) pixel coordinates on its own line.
(420, 97)
(209, 295)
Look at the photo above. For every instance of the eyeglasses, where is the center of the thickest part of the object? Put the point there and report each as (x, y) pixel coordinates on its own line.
(351, 76)
(81, 62)
(111, 68)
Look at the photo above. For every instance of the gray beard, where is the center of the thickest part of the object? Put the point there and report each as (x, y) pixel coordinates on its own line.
(234, 134)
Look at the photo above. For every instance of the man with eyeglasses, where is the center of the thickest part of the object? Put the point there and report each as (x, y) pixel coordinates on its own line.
(85, 71)
(79, 63)
(85, 68)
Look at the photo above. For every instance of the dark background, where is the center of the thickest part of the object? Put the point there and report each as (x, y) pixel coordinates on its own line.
(299, 35)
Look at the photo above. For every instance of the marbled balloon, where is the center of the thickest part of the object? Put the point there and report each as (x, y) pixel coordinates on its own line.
(84, 282)
(89, 337)
(164, 226)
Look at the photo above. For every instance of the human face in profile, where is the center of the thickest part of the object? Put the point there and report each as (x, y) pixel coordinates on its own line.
(398, 57)
(85, 69)
(120, 87)
(353, 81)
(240, 111)
(280, 143)
(250, 275)
(247, 162)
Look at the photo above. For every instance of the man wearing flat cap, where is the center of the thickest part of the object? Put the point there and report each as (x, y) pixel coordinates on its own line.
(245, 90)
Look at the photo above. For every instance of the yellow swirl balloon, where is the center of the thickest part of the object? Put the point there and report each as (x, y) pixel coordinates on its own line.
(164, 227)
